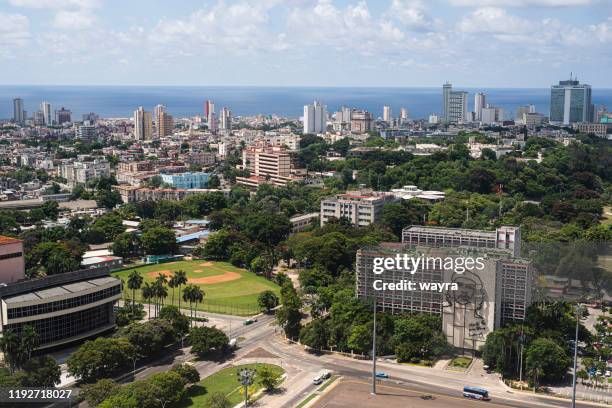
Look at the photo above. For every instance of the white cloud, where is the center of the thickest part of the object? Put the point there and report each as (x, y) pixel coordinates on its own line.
(602, 31)
(56, 4)
(493, 20)
(412, 14)
(520, 3)
(14, 30)
(73, 20)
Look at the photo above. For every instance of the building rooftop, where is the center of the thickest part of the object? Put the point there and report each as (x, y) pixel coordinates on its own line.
(63, 290)
(4, 240)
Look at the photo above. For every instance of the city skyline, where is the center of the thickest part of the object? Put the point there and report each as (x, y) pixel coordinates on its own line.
(509, 43)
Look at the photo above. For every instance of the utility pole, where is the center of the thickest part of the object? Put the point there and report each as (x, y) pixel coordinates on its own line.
(578, 310)
(521, 362)
(374, 352)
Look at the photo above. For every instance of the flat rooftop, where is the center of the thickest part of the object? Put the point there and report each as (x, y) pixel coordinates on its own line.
(63, 290)
(4, 240)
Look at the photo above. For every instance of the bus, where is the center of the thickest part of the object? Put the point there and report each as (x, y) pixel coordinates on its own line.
(476, 393)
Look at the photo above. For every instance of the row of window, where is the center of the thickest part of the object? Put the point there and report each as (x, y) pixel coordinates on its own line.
(63, 304)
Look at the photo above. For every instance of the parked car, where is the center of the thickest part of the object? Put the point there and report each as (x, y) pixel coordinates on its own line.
(249, 321)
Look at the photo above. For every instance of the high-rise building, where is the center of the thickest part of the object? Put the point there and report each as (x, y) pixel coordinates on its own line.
(163, 121)
(479, 104)
(454, 104)
(39, 118)
(403, 116)
(387, 117)
(226, 119)
(19, 115)
(570, 102)
(90, 118)
(87, 133)
(143, 127)
(361, 121)
(63, 116)
(209, 107)
(45, 107)
(315, 118)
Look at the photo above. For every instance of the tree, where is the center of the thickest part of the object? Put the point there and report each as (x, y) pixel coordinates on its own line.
(180, 278)
(169, 386)
(268, 378)
(147, 295)
(159, 241)
(267, 300)
(125, 245)
(289, 316)
(100, 358)
(134, 283)
(192, 294)
(206, 340)
(218, 399)
(99, 391)
(41, 371)
(188, 372)
(138, 394)
(108, 199)
(315, 334)
(179, 321)
(546, 360)
(150, 337)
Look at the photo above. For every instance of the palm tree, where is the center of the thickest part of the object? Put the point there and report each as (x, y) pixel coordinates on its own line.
(181, 279)
(160, 281)
(173, 284)
(162, 293)
(188, 297)
(134, 283)
(147, 295)
(11, 348)
(29, 340)
(198, 294)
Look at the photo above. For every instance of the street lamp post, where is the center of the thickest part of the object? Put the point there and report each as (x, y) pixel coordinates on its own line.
(134, 359)
(246, 376)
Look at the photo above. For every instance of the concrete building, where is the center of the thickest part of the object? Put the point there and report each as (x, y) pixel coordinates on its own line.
(387, 116)
(361, 208)
(599, 129)
(80, 172)
(315, 118)
(61, 308)
(454, 105)
(571, 102)
(143, 124)
(300, 223)
(12, 266)
(268, 165)
(39, 118)
(187, 180)
(479, 104)
(87, 133)
(134, 194)
(63, 116)
(361, 121)
(226, 119)
(164, 122)
(494, 290)
(404, 116)
(45, 107)
(19, 115)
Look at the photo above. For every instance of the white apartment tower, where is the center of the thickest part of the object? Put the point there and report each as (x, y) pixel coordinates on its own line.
(479, 104)
(45, 107)
(226, 119)
(387, 117)
(143, 124)
(315, 118)
(403, 115)
(454, 105)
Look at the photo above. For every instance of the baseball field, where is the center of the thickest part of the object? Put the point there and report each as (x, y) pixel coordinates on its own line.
(227, 289)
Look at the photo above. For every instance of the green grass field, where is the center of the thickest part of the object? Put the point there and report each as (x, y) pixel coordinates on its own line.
(224, 381)
(227, 289)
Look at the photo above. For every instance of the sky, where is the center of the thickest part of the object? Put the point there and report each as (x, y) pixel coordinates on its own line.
(394, 43)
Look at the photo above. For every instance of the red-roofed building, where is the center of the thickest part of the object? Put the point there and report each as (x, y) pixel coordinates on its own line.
(12, 266)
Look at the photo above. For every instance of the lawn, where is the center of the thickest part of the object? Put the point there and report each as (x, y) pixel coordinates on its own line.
(461, 362)
(227, 289)
(224, 381)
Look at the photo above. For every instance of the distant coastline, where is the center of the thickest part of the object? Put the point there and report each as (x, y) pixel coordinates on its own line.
(184, 101)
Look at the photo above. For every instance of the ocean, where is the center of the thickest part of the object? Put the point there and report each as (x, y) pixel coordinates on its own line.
(184, 101)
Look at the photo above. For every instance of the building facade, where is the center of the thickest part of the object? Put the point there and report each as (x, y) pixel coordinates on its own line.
(63, 116)
(454, 105)
(61, 308)
(186, 180)
(163, 121)
(12, 265)
(267, 165)
(315, 118)
(143, 124)
(361, 121)
(361, 208)
(19, 115)
(45, 107)
(571, 102)
(496, 292)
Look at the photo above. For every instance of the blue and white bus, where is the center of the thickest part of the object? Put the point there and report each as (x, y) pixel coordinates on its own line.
(476, 393)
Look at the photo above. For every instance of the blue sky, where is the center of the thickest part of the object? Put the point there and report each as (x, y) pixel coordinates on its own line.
(472, 43)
